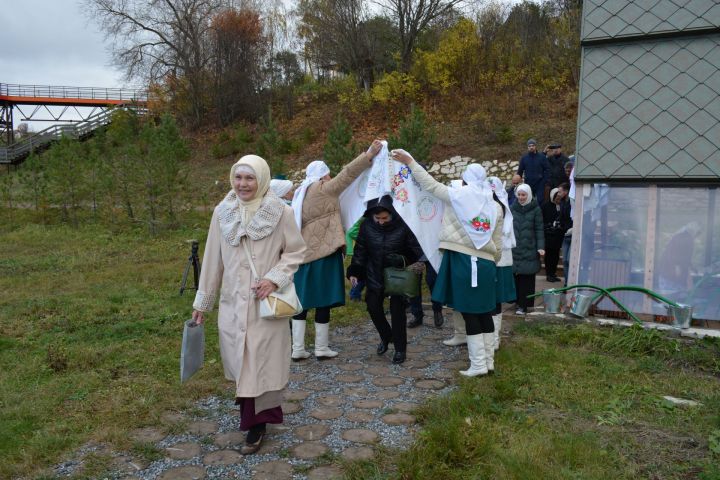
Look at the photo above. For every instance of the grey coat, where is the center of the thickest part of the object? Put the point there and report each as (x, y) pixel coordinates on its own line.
(529, 237)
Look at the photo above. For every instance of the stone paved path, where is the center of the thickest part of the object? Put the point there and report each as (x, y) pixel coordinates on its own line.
(341, 407)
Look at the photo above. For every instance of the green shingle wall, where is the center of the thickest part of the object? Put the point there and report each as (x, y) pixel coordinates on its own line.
(603, 19)
(650, 108)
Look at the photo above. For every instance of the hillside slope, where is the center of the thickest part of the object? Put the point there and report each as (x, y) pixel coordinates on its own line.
(477, 127)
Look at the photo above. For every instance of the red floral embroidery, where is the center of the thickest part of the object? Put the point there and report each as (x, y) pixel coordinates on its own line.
(480, 224)
(402, 195)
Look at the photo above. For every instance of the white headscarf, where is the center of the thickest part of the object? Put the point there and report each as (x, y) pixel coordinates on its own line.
(508, 233)
(553, 192)
(313, 173)
(280, 187)
(524, 187)
(234, 214)
(257, 166)
(474, 205)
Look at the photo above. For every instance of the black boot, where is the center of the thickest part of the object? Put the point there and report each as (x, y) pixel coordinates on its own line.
(415, 322)
(382, 347)
(254, 439)
(398, 358)
(438, 318)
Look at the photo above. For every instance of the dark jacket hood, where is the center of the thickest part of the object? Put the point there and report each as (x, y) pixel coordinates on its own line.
(385, 202)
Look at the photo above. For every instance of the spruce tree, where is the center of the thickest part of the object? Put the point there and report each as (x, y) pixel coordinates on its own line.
(169, 150)
(6, 188)
(270, 146)
(338, 149)
(122, 160)
(66, 182)
(96, 171)
(414, 135)
(33, 179)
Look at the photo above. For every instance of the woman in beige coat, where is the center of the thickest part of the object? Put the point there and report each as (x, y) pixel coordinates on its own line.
(320, 279)
(253, 350)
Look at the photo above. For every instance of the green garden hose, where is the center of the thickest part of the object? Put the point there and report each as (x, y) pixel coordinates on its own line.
(606, 292)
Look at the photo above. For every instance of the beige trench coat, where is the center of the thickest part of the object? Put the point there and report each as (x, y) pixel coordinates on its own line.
(321, 222)
(255, 352)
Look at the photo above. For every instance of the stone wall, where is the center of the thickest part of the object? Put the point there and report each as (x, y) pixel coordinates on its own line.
(449, 169)
(453, 167)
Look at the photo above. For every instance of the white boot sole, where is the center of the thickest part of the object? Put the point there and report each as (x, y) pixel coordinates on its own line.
(325, 354)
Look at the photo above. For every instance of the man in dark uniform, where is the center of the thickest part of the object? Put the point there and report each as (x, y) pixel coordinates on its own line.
(556, 163)
(534, 169)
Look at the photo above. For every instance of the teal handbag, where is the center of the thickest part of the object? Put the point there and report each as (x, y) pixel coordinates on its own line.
(401, 281)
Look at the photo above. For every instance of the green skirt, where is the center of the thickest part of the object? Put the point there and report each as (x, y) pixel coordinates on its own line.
(452, 287)
(505, 285)
(321, 283)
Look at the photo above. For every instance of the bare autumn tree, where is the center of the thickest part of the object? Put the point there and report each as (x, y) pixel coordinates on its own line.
(156, 39)
(285, 73)
(489, 23)
(335, 32)
(412, 18)
(565, 27)
(278, 23)
(239, 47)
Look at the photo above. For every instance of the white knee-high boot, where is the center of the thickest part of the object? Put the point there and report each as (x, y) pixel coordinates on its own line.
(476, 353)
(489, 343)
(298, 340)
(322, 332)
(459, 337)
(497, 321)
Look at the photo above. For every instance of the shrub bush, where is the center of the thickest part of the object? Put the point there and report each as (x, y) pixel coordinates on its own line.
(395, 88)
(231, 143)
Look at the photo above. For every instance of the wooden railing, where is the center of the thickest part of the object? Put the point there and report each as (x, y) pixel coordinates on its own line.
(20, 150)
(82, 93)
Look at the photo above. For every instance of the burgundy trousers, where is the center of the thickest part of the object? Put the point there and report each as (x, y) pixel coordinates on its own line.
(248, 417)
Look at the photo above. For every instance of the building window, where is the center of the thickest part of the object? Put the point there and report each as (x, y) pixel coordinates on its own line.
(664, 238)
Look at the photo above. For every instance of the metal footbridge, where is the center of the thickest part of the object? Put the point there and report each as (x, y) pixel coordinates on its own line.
(34, 102)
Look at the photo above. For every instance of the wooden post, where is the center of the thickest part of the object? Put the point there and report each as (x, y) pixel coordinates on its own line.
(650, 244)
(580, 189)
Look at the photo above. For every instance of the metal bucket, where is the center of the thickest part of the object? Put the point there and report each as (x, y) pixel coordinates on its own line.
(580, 305)
(681, 315)
(552, 300)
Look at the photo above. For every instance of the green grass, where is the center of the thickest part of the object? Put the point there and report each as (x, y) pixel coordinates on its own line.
(91, 326)
(564, 405)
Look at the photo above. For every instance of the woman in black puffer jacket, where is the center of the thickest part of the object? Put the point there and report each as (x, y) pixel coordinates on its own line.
(382, 234)
(530, 245)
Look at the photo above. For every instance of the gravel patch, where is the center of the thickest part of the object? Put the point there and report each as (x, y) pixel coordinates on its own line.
(346, 383)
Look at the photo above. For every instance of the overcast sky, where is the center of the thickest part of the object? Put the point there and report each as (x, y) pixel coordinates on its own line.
(51, 42)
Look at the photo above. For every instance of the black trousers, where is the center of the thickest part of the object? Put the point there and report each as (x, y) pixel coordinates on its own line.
(524, 286)
(476, 323)
(552, 258)
(416, 302)
(397, 334)
(322, 315)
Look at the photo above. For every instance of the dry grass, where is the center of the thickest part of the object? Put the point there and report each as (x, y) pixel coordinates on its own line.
(562, 410)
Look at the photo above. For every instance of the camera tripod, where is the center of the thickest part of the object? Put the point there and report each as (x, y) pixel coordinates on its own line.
(194, 262)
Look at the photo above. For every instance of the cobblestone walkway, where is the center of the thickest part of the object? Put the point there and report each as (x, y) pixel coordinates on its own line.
(338, 408)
